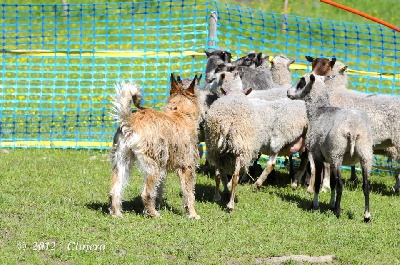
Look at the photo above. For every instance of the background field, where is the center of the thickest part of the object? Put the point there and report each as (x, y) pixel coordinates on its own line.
(61, 197)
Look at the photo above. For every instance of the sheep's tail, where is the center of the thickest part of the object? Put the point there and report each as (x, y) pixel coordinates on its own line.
(352, 138)
(121, 111)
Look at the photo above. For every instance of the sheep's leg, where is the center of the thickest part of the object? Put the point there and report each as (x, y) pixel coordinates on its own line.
(291, 167)
(311, 184)
(267, 170)
(353, 176)
(235, 179)
(317, 182)
(396, 187)
(366, 170)
(217, 196)
(333, 189)
(337, 174)
(300, 172)
(225, 184)
(188, 180)
(326, 177)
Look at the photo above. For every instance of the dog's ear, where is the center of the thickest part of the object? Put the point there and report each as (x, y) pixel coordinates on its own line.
(190, 89)
(199, 78)
(175, 87)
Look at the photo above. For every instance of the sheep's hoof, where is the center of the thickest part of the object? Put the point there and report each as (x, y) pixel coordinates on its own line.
(217, 197)
(367, 217)
(229, 208)
(314, 208)
(310, 190)
(395, 189)
(256, 185)
(336, 212)
(294, 185)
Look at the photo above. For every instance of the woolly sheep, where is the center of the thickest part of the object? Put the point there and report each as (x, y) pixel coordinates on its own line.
(283, 133)
(336, 136)
(232, 140)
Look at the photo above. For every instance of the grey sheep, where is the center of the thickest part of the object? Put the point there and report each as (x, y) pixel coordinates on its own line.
(336, 136)
(382, 110)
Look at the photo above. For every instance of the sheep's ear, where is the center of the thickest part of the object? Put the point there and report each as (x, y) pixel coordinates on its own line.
(208, 53)
(259, 59)
(224, 91)
(227, 57)
(190, 89)
(222, 77)
(312, 78)
(175, 87)
(179, 80)
(247, 91)
(290, 62)
(309, 58)
(344, 68)
(332, 62)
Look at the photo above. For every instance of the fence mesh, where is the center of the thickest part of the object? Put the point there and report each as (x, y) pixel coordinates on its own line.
(59, 63)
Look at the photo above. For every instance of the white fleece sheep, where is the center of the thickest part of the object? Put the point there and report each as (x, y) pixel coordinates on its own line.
(231, 146)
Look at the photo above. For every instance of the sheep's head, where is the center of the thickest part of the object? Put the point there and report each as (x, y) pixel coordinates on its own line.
(303, 87)
(226, 82)
(215, 58)
(281, 60)
(321, 66)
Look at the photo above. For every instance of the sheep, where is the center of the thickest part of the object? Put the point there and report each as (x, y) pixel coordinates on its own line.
(232, 140)
(382, 110)
(281, 74)
(336, 136)
(282, 132)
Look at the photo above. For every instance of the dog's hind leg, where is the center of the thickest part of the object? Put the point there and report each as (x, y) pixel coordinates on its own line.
(122, 161)
(149, 193)
(188, 181)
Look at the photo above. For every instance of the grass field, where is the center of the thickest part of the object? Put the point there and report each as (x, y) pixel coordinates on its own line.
(53, 205)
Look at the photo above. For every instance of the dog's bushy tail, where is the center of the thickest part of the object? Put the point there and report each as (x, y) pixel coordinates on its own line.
(126, 91)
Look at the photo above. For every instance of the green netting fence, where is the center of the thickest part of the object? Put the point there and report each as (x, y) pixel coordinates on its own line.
(59, 62)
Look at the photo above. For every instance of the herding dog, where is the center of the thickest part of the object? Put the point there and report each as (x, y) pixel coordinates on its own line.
(159, 141)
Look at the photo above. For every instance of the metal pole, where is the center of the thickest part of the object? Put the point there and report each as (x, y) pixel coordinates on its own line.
(212, 32)
(65, 7)
(285, 5)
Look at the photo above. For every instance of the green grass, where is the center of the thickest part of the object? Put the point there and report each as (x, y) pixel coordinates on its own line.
(61, 197)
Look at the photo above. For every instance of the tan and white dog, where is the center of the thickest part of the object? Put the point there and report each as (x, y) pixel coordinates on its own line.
(159, 141)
